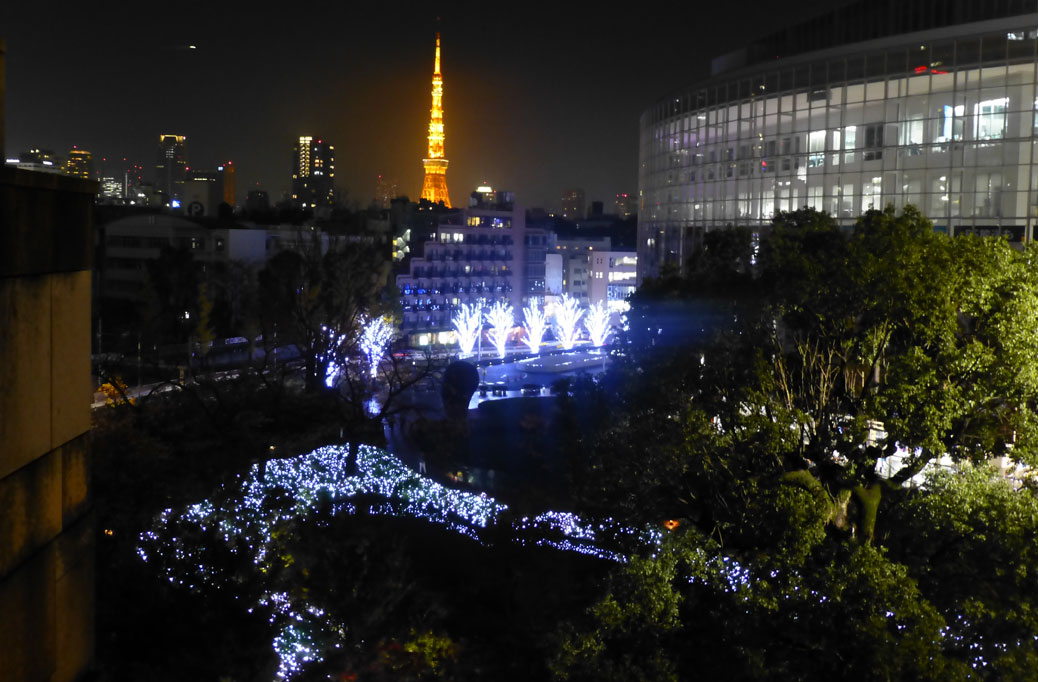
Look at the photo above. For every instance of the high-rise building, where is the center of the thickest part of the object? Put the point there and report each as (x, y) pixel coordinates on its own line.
(434, 188)
(171, 166)
(573, 204)
(878, 102)
(313, 173)
(626, 205)
(203, 192)
(80, 163)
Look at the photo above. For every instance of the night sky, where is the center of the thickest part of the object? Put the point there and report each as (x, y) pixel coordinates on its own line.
(533, 102)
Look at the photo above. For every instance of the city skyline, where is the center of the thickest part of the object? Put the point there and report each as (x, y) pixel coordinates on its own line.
(534, 104)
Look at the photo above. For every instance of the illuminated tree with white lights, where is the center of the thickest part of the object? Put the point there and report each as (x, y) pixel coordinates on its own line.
(374, 339)
(501, 320)
(330, 359)
(534, 324)
(567, 316)
(597, 323)
(468, 323)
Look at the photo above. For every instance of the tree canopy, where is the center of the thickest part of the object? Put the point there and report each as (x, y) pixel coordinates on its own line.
(776, 442)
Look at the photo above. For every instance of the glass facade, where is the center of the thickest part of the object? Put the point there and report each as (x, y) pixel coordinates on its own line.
(946, 120)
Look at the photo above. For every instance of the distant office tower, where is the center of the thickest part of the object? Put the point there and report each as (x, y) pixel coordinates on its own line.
(203, 193)
(112, 191)
(80, 163)
(313, 173)
(229, 195)
(573, 204)
(435, 186)
(171, 166)
(626, 205)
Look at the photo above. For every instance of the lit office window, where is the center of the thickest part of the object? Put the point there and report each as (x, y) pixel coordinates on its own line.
(815, 148)
(989, 119)
(850, 138)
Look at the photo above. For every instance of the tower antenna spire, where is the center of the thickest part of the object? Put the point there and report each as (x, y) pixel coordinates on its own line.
(436, 69)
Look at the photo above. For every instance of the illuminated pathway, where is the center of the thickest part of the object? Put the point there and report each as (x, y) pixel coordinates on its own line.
(245, 523)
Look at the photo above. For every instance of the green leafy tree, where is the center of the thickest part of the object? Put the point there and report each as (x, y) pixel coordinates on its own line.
(793, 558)
(896, 336)
(970, 537)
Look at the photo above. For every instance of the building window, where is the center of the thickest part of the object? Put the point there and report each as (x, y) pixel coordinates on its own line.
(951, 123)
(850, 139)
(816, 148)
(912, 136)
(989, 119)
(873, 142)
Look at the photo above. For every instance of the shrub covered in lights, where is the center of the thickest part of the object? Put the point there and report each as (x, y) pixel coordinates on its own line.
(248, 514)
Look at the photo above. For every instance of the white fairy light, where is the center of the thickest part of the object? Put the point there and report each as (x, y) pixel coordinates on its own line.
(468, 323)
(501, 320)
(332, 369)
(597, 323)
(246, 522)
(534, 325)
(567, 315)
(374, 339)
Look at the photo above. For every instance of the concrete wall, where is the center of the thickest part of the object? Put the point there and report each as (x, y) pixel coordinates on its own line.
(46, 529)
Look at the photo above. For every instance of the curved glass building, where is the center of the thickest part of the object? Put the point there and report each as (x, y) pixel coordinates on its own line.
(924, 102)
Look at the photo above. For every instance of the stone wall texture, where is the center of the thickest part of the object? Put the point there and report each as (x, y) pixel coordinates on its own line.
(46, 529)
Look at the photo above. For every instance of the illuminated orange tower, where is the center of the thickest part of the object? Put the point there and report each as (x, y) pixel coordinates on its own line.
(435, 186)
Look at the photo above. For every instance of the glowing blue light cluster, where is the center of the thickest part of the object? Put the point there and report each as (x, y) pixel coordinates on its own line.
(281, 490)
(250, 509)
(334, 347)
(299, 640)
